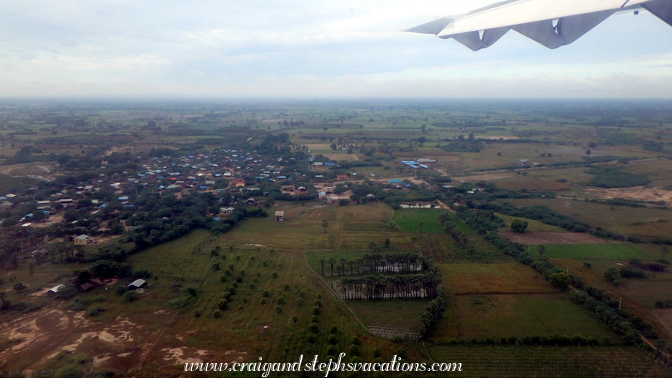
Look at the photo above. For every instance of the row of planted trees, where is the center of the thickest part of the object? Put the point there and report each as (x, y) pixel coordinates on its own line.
(380, 286)
(401, 263)
(460, 237)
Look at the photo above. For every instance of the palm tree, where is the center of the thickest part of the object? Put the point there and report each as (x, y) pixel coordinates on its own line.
(332, 261)
(322, 263)
(343, 262)
(420, 224)
(351, 263)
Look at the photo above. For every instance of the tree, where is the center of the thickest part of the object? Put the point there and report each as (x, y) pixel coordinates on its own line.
(612, 275)
(518, 226)
(560, 280)
(322, 264)
(588, 152)
(332, 261)
(541, 249)
(420, 224)
(325, 224)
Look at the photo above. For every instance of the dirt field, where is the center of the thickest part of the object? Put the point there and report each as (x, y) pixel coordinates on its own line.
(42, 171)
(664, 317)
(535, 238)
(639, 193)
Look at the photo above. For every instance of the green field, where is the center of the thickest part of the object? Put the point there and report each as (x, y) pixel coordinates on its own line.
(409, 221)
(555, 362)
(609, 251)
(479, 316)
(532, 225)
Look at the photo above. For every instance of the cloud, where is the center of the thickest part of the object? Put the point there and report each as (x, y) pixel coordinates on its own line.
(301, 48)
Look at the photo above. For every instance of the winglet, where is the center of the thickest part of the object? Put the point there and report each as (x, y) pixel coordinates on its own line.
(432, 27)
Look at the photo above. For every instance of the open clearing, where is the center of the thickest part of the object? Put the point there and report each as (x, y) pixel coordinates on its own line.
(479, 316)
(608, 251)
(543, 237)
(390, 318)
(636, 193)
(644, 222)
(350, 227)
(510, 277)
(532, 225)
(409, 221)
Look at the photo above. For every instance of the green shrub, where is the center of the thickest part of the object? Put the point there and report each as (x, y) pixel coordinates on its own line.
(94, 310)
(130, 296)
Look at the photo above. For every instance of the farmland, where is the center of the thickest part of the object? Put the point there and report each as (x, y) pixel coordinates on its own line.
(255, 225)
(602, 362)
(479, 316)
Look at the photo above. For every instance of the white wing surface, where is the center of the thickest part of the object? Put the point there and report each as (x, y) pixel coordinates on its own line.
(552, 23)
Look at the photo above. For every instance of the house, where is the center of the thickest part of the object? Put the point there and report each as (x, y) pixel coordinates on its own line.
(426, 161)
(279, 216)
(250, 201)
(522, 162)
(82, 240)
(226, 211)
(66, 201)
(55, 289)
(137, 284)
(342, 177)
(239, 183)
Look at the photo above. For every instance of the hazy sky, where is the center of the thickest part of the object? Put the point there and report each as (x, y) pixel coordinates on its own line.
(309, 48)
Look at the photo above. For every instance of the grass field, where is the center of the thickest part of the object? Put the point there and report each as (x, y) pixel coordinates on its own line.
(510, 277)
(619, 219)
(349, 227)
(608, 251)
(532, 225)
(480, 316)
(547, 362)
(398, 315)
(409, 221)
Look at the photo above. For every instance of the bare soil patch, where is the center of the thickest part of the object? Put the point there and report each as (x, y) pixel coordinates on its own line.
(638, 193)
(664, 317)
(485, 177)
(551, 238)
(42, 171)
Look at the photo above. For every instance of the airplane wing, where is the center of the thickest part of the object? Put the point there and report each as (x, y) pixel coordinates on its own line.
(552, 23)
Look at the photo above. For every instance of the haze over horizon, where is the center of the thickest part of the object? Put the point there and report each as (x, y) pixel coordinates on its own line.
(298, 49)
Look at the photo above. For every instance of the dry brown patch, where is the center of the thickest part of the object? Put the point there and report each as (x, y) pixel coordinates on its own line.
(485, 177)
(664, 317)
(339, 157)
(638, 193)
(551, 238)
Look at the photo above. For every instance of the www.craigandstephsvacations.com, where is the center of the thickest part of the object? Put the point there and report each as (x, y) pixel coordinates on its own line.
(331, 365)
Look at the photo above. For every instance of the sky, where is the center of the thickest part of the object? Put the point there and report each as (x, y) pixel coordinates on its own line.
(301, 49)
